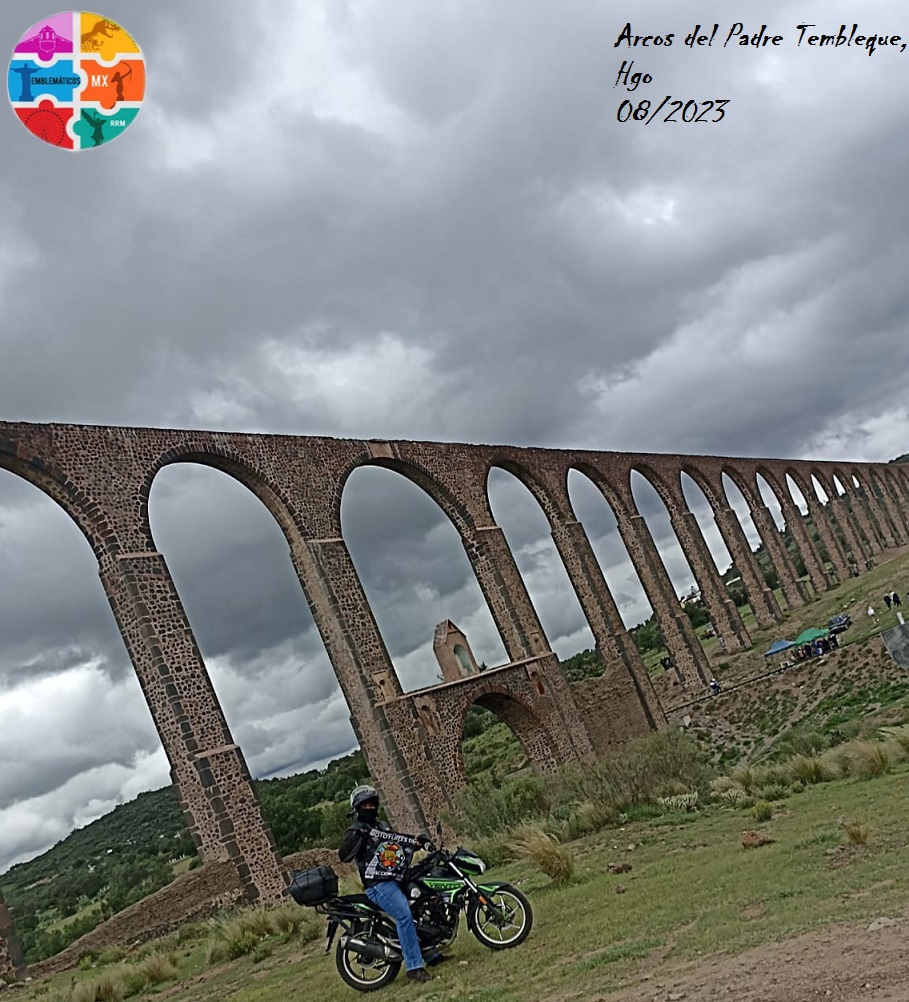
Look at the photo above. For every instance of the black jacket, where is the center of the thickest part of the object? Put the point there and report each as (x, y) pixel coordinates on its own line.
(380, 853)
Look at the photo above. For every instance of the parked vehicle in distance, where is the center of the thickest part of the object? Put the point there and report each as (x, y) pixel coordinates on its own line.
(836, 624)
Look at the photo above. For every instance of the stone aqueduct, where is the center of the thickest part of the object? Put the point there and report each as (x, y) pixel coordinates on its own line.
(102, 476)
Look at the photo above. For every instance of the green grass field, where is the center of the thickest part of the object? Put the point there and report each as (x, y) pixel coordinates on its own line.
(693, 890)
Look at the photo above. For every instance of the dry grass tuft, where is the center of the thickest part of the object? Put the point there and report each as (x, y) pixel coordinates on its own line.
(856, 833)
(810, 769)
(110, 987)
(545, 851)
(869, 759)
(158, 967)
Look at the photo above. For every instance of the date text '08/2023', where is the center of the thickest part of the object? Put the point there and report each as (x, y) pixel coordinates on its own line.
(673, 110)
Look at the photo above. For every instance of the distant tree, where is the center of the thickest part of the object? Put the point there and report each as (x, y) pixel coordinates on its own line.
(697, 613)
(647, 636)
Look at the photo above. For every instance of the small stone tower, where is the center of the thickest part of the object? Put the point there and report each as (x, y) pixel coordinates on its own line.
(453, 653)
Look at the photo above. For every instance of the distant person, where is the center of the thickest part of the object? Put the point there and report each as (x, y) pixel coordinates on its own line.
(887, 601)
(715, 687)
(896, 600)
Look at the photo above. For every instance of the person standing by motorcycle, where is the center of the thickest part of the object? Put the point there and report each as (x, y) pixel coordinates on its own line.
(382, 857)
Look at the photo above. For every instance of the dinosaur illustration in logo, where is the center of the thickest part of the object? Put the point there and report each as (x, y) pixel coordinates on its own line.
(91, 39)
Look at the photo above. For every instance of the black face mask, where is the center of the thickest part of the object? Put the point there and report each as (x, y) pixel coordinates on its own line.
(369, 815)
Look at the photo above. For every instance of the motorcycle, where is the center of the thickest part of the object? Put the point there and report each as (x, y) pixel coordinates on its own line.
(438, 887)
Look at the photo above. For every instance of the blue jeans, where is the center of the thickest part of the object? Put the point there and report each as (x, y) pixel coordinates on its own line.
(391, 899)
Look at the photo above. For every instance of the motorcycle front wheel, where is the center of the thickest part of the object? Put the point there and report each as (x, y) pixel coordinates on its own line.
(364, 974)
(505, 922)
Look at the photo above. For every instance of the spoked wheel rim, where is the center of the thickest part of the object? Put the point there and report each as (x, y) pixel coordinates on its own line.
(505, 923)
(364, 973)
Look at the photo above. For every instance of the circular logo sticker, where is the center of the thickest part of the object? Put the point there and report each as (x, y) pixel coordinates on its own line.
(76, 80)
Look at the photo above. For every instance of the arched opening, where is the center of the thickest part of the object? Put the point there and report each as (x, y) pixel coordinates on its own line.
(75, 721)
(729, 575)
(415, 573)
(502, 741)
(789, 544)
(811, 528)
(230, 563)
(798, 498)
(653, 510)
(464, 659)
(490, 750)
(739, 505)
(848, 526)
(768, 496)
(596, 513)
(527, 531)
(822, 495)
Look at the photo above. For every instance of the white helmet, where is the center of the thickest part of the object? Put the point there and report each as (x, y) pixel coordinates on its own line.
(361, 794)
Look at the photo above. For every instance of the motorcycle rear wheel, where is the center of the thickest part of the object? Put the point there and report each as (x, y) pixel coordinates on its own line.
(364, 974)
(507, 929)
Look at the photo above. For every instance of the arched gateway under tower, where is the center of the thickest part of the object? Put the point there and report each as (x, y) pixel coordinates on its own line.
(102, 476)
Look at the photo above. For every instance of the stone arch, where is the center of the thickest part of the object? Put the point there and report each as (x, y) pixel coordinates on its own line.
(681, 642)
(685, 477)
(457, 512)
(539, 492)
(889, 503)
(545, 576)
(540, 747)
(618, 500)
(92, 522)
(77, 508)
(632, 587)
(670, 514)
(254, 612)
(761, 472)
(280, 507)
(766, 530)
(846, 516)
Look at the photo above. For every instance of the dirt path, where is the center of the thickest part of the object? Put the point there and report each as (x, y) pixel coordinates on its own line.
(842, 964)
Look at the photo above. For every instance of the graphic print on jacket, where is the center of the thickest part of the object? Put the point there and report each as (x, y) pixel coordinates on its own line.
(390, 856)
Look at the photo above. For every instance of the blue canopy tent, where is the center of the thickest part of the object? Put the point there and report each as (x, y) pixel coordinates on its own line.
(778, 647)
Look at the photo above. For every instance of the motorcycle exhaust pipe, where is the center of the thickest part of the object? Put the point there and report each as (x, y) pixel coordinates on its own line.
(369, 949)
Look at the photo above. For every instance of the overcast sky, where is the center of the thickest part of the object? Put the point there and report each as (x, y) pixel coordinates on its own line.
(394, 219)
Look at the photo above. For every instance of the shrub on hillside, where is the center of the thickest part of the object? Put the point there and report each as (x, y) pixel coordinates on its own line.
(638, 774)
(486, 808)
(762, 811)
(735, 796)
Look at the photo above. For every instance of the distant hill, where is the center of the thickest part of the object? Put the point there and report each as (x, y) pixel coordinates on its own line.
(901, 459)
(140, 846)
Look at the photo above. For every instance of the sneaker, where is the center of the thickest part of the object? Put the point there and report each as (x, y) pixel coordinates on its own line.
(419, 974)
